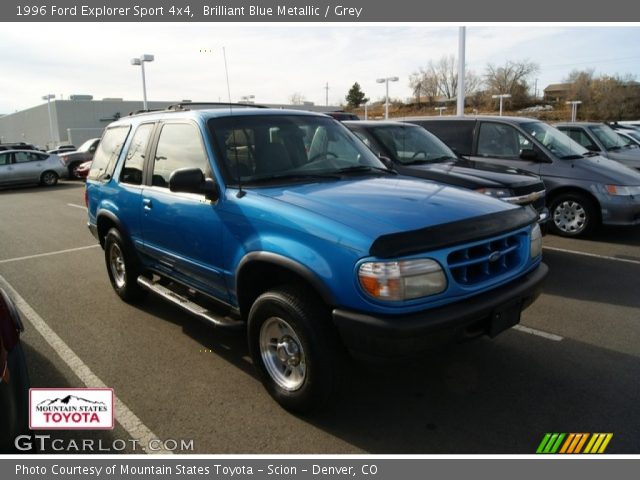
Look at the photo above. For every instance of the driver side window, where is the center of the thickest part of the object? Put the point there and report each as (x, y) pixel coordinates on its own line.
(501, 141)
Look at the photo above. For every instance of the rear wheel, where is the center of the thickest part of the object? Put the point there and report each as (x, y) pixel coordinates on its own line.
(294, 348)
(49, 178)
(122, 266)
(573, 215)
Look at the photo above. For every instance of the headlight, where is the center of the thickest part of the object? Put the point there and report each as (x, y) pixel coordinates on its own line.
(535, 248)
(496, 192)
(404, 280)
(622, 191)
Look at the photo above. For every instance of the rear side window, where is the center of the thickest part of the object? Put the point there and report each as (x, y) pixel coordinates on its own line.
(457, 135)
(109, 148)
(179, 146)
(134, 161)
(582, 138)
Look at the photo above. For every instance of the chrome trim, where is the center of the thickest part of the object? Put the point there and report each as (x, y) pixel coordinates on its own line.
(528, 198)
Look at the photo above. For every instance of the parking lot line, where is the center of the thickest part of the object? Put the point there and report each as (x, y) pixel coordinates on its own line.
(125, 417)
(77, 206)
(593, 255)
(38, 255)
(538, 333)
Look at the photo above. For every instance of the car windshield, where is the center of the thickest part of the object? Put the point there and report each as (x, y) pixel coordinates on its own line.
(86, 145)
(262, 148)
(608, 137)
(554, 140)
(411, 145)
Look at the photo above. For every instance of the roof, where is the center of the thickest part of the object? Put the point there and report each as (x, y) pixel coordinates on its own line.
(558, 87)
(495, 118)
(577, 124)
(375, 123)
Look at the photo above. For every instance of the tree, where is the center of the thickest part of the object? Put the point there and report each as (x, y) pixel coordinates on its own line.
(511, 78)
(441, 79)
(355, 97)
(297, 98)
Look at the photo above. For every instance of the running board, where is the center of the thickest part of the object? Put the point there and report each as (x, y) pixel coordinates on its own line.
(187, 305)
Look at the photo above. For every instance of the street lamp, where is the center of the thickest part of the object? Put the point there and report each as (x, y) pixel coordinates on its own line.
(440, 109)
(501, 97)
(48, 99)
(386, 102)
(247, 98)
(574, 108)
(140, 61)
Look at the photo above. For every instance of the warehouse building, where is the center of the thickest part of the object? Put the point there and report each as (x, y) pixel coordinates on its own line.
(80, 118)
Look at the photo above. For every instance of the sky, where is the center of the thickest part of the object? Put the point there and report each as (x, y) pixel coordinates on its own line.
(272, 62)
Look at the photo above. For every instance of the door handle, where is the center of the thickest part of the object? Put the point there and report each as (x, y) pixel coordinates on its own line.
(147, 204)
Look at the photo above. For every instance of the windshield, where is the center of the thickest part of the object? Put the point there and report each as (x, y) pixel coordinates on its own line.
(86, 145)
(260, 148)
(554, 140)
(408, 144)
(608, 137)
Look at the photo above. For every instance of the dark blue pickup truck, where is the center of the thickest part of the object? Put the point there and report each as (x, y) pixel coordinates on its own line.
(285, 221)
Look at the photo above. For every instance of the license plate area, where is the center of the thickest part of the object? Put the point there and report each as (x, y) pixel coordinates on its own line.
(505, 317)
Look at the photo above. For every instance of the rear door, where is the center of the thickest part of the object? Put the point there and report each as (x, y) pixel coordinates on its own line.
(182, 232)
(6, 169)
(503, 144)
(27, 166)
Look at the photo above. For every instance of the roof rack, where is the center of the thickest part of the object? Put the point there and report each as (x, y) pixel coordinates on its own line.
(186, 105)
(138, 112)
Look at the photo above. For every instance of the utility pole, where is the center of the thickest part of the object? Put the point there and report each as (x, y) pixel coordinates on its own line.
(461, 93)
(326, 99)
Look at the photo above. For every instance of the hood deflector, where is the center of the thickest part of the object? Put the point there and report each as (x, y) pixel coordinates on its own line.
(449, 234)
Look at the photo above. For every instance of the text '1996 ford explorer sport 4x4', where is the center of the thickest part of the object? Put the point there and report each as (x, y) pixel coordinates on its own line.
(286, 222)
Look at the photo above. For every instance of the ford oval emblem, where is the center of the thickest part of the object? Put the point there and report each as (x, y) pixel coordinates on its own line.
(495, 256)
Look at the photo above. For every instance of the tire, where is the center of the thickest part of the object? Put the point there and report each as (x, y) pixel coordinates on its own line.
(123, 267)
(573, 215)
(73, 174)
(14, 403)
(49, 178)
(295, 348)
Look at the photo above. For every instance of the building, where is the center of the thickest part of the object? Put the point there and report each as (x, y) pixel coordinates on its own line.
(557, 92)
(81, 118)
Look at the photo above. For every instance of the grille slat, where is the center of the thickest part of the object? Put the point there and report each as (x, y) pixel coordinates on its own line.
(483, 262)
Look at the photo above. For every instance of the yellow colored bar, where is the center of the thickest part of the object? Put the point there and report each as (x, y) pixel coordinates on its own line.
(596, 445)
(567, 442)
(581, 444)
(575, 442)
(590, 444)
(607, 439)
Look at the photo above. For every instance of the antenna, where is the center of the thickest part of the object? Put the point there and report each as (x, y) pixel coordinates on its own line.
(241, 192)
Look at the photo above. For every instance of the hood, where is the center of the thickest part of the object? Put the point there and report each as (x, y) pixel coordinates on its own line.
(603, 170)
(630, 157)
(472, 174)
(379, 206)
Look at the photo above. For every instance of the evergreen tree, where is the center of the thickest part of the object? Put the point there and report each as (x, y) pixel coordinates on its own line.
(355, 97)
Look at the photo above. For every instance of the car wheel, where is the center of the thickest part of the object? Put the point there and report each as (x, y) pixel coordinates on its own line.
(49, 178)
(14, 402)
(123, 267)
(294, 348)
(73, 171)
(573, 215)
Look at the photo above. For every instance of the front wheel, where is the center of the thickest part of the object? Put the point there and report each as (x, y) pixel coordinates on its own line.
(294, 348)
(122, 266)
(49, 178)
(573, 215)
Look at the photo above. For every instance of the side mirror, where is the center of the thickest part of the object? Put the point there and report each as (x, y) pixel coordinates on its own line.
(592, 148)
(529, 154)
(191, 180)
(387, 161)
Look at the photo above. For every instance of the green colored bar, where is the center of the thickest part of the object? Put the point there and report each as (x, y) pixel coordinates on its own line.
(552, 440)
(543, 443)
(555, 448)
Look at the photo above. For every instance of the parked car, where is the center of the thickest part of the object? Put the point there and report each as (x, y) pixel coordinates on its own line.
(63, 149)
(227, 215)
(584, 189)
(602, 139)
(342, 116)
(84, 153)
(83, 170)
(14, 377)
(415, 152)
(17, 146)
(631, 134)
(28, 166)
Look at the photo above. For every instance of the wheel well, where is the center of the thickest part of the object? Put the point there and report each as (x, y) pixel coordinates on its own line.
(259, 276)
(551, 196)
(104, 225)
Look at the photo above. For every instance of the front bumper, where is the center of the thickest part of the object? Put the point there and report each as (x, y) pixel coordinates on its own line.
(621, 210)
(385, 336)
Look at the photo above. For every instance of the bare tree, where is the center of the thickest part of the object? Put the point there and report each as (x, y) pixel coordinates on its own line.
(297, 98)
(441, 79)
(581, 82)
(511, 78)
(424, 84)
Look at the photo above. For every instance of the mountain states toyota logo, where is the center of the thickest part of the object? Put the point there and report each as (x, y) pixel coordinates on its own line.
(71, 409)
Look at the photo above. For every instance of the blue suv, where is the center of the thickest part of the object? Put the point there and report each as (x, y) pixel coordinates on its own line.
(286, 222)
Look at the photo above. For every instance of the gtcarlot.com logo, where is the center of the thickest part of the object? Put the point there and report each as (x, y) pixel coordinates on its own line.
(71, 409)
(571, 443)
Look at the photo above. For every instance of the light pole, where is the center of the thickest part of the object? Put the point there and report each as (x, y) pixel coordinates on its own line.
(48, 99)
(386, 96)
(247, 98)
(574, 108)
(440, 109)
(366, 110)
(501, 97)
(140, 61)
(461, 50)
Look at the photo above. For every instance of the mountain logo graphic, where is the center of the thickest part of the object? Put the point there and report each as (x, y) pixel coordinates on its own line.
(69, 400)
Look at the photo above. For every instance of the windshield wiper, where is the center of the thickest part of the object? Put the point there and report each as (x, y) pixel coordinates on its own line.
(590, 154)
(576, 157)
(615, 147)
(444, 158)
(364, 169)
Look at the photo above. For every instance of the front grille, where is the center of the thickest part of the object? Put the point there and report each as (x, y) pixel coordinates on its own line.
(486, 261)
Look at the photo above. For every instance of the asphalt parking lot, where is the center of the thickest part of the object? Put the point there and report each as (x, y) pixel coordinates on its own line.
(572, 366)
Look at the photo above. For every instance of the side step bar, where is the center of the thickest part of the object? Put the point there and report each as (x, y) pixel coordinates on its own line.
(187, 305)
